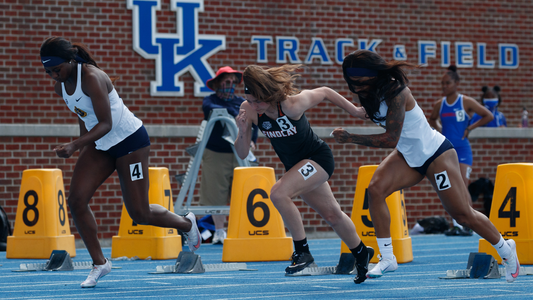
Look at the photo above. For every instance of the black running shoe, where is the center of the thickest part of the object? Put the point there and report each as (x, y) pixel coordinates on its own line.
(453, 231)
(362, 266)
(299, 262)
(456, 231)
(466, 231)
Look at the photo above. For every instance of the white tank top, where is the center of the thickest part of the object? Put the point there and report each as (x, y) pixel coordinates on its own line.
(124, 121)
(418, 141)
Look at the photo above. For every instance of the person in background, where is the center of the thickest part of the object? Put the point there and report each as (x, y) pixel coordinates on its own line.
(418, 151)
(111, 138)
(219, 160)
(278, 108)
(451, 116)
(491, 100)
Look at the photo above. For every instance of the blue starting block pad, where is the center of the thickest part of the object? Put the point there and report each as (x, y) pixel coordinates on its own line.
(482, 265)
(190, 263)
(346, 266)
(59, 260)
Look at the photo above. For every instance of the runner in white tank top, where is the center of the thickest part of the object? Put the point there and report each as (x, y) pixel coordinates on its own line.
(371, 78)
(418, 141)
(111, 138)
(124, 122)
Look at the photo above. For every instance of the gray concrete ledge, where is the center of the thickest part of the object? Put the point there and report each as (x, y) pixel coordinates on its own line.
(48, 130)
(39, 130)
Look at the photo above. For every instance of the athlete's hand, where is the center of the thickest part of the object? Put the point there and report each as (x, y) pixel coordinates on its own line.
(360, 113)
(341, 135)
(65, 150)
(465, 135)
(242, 120)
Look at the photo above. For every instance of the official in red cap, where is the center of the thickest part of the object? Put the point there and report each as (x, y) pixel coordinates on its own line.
(218, 160)
(224, 82)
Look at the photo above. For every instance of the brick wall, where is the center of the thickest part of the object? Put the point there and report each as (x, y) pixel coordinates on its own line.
(18, 154)
(27, 96)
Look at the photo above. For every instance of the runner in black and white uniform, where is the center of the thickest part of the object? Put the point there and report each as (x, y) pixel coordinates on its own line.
(418, 152)
(278, 109)
(294, 140)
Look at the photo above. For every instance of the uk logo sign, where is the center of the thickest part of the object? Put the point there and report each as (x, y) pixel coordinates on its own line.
(175, 53)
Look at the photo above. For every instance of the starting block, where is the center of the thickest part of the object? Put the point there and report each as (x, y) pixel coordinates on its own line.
(346, 266)
(482, 265)
(190, 263)
(313, 270)
(59, 260)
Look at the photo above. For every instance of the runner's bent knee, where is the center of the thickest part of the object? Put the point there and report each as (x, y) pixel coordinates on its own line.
(377, 190)
(139, 216)
(464, 217)
(278, 195)
(77, 203)
(332, 217)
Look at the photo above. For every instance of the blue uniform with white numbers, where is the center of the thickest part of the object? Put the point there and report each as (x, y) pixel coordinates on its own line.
(455, 120)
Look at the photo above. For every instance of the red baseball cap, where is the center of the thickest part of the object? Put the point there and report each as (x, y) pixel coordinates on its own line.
(221, 71)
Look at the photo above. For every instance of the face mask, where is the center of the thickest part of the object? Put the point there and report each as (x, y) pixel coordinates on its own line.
(226, 93)
(490, 103)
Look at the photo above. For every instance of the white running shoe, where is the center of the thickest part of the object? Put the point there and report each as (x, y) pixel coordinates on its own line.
(194, 239)
(512, 266)
(97, 272)
(219, 237)
(384, 266)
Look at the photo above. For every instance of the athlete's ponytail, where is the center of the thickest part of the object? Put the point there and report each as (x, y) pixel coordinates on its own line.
(452, 72)
(270, 84)
(84, 55)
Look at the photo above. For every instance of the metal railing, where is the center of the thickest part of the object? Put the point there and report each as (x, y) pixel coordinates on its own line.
(188, 180)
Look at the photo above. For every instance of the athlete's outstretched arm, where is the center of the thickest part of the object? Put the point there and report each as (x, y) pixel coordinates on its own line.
(394, 124)
(296, 105)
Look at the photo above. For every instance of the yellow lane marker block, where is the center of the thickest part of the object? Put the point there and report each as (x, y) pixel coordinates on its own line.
(146, 241)
(512, 210)
(401, 241)
(255, 229)
(41, 225)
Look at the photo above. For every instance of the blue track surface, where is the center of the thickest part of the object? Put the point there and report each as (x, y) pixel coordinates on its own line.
(433, 255)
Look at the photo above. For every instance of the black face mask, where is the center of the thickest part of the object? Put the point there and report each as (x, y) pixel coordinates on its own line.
(366, 84)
